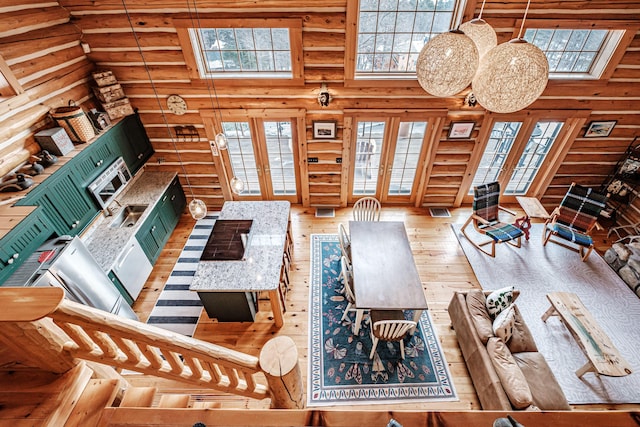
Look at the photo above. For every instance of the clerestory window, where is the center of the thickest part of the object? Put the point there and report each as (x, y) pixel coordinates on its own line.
(575, 53)
(391, 34)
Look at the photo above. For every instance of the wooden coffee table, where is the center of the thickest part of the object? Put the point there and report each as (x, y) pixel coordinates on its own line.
(603, 357)
(532, 209)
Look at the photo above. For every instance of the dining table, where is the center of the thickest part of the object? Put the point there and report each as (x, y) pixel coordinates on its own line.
(385, 276)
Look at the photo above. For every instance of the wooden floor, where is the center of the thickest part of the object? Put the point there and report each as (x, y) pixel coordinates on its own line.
(441, 264)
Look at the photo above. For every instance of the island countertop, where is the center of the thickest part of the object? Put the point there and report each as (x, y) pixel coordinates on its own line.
(260, 270)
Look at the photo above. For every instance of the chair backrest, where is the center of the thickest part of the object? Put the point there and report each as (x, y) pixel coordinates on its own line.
(366, 209)
(347, 273)
(486, 198)
(392, 330)
(345, 241)
(581, 207)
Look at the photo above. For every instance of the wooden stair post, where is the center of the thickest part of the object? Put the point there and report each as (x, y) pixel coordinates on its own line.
(279, 361)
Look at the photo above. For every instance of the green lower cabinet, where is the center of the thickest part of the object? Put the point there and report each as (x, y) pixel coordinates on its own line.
(116, 282)
(157, 229)
(17, 245)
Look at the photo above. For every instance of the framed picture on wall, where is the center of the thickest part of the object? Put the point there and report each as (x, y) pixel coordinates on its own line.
(600, 129)
(461, 130)
(325, 129)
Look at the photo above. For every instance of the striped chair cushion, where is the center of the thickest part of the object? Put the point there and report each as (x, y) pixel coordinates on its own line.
(501, 232)
(571, 234)
(580, 207)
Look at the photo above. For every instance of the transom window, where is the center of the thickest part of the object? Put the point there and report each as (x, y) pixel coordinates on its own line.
(574, 53)
(391, 34)
(234, 52)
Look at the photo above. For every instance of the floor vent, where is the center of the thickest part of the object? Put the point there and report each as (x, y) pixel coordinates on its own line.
(325, 212)
(440, 212)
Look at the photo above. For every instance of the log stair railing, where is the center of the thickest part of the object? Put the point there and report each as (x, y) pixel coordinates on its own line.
(61, 331)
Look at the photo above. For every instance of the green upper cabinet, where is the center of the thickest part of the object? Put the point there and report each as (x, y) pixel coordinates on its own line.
(133, 142)
(65, 201)
(95, 158)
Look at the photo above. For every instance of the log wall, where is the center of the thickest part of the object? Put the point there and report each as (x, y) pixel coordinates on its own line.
(139, 42)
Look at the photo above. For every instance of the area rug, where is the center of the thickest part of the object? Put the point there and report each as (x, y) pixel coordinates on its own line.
(340, 371)
(537, 270)
(177, 308)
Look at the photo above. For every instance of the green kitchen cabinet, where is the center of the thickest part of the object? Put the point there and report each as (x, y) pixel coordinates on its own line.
(64, 200)
(19, 243)
(157, 229)
(135, 145)
(95, 158)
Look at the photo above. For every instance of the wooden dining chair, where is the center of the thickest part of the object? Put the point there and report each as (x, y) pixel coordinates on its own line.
(574, 220)
(345, 242)
(389, 325)
(366, 209)
(349, 293)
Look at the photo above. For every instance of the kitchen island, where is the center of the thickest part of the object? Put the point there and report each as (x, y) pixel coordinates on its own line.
(260, 269)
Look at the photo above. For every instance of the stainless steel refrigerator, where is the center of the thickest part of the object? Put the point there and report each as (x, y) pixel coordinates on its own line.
(67, 263)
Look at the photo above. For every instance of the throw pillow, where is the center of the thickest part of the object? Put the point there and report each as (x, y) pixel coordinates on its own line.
(499, 300)
(521, 340)
(476, 304)
(504, 324)
(511, 377)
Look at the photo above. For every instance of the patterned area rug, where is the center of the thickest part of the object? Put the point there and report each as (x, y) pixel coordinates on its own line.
(178, 309)
(537, 270)
(340, 371)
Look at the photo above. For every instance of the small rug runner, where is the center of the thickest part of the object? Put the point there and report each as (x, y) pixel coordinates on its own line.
(537, 270)
(340, 371)
(178, 309)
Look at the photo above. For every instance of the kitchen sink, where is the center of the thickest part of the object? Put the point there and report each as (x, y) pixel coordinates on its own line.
(128, 216)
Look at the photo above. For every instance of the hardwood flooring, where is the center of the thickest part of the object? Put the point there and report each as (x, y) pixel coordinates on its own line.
(441, 264)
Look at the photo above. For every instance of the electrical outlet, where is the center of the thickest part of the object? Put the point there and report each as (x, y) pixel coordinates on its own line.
(160, 160)
(338, 160)
(312, 160)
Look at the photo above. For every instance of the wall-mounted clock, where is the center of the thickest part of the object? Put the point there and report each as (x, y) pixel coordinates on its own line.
(176, 105)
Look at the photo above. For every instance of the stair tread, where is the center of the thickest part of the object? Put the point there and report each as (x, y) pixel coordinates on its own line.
(97, 395)
(174, 401)
(138, 397)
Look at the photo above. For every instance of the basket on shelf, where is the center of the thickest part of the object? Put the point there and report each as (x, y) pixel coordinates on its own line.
(73, 119)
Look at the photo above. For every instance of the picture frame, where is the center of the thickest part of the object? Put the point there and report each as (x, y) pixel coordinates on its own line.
(325, 129)
(461, 130)
(600, 129)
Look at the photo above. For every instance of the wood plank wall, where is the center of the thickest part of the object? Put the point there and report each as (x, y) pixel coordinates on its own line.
(41, 44)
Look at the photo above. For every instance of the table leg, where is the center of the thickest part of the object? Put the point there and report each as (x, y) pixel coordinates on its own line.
(276, 307)
(524, 224)
(416, 318)
(550, 312)
(358, 321)
(588, 367)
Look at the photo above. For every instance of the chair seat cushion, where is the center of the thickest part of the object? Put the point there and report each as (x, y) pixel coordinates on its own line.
(571, 234)
(502, 232)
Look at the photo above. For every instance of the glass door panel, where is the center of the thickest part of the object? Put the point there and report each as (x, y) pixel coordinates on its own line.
(370, 136)
(536, 150)
(280, 155)
(503, 135)
(406, 156)
(242, 156)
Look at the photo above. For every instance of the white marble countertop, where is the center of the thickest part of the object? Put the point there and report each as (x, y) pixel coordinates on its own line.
(105, 242)
(260, 270)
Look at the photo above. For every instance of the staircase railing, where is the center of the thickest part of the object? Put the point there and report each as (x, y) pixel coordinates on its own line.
(98, 336)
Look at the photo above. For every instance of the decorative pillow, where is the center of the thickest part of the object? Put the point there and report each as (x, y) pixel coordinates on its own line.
(476, 304)
(511, 377)
(521, 340)
(504, 324)
(499, 300)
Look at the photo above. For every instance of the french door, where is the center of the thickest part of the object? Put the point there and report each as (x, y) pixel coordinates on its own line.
(516, 154)
(260, 161)
(388, 156)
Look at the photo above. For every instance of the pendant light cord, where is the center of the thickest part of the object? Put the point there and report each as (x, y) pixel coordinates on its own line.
(481, 9)
(153, 86)
(526, 11)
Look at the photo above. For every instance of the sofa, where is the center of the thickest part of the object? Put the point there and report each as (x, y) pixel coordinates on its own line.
(511, 375)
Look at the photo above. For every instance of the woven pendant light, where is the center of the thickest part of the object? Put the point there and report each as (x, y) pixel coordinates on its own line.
(482, 34)
(447, 63)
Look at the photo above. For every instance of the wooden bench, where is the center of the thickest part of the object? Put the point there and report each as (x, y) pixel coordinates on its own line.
(603, 357)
